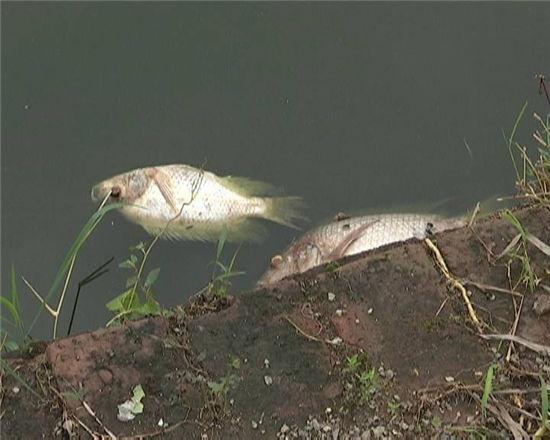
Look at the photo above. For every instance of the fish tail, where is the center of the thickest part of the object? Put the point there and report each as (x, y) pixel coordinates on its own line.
(287, 211)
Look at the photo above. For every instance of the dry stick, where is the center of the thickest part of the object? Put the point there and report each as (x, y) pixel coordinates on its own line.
(482, 286)
(514, 327)
(454, 282)
(539, 348)
(92, 413)
(312, 338)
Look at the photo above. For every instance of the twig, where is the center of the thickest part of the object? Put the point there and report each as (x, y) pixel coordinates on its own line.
(539, 348)
(311, 338)
(482, 286)
(454, 282)
(101, 270)
(514, 326)
(92, 413)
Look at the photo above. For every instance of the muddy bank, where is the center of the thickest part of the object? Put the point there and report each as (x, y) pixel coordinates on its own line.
(378, 346)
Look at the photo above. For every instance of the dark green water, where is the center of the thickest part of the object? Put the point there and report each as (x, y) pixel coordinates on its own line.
(351, 106)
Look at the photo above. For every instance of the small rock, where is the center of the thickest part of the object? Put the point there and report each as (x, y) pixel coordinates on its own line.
(336, 341)
(379, 431)
(331, 296)
(316, 425)
(160, 423)
(369, 311)
(266, 363)
(366, 435)
(204, 436)
(268, 380)
(390, 374)
(542, 304)
(327, 428)
(284, 429)
(328, 410)
(449, 379)
(357, 320)
(404, 426)
(339, 312)
(15, 390)
(254, 425)
(231, 401)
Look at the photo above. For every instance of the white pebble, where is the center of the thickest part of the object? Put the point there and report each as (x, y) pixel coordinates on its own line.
(331, 296)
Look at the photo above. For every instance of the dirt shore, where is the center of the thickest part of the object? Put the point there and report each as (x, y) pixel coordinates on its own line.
(381, 345)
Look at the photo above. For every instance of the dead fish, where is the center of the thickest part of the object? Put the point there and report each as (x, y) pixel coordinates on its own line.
(186, 203)
(352, 235)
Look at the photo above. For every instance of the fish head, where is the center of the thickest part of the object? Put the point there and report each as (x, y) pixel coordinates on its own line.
(299, 258)
(280, 266)
(125, 187)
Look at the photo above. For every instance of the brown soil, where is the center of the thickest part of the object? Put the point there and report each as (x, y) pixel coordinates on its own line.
(277, 356)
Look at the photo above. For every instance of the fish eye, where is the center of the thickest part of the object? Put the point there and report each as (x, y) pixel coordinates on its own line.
(115, 192)
(276, 261)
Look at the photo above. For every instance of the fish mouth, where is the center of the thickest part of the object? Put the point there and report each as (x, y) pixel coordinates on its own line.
(98, 193)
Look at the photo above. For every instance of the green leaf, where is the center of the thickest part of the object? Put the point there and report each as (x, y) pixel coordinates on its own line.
(136, 399)
(217, 387)
(11, 346)
(149, 307)
(122, 302)
(130, 281)
(221, 243)
(133, 259)
(151, 278)
(127, 264)
(138, 247)
(488, 388)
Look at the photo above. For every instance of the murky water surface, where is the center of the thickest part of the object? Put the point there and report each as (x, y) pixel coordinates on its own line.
(352, 106)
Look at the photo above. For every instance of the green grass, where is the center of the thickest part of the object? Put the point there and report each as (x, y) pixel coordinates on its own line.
(222, 274)
(9, 341)
(487, 388)
(138, 299)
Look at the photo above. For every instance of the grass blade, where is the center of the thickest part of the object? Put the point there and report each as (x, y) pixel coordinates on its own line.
(488, 388)
(83, 235)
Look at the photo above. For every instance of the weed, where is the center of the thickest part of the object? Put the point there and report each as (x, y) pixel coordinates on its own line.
(532, 176)
(66, 269)
(518, 252)
(222, 274)
(138, 298)
(16, 322)
(352, 364)
(361, 376)
(488, 388)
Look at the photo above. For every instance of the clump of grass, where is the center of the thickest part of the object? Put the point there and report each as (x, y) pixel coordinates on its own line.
(222, 274)
(517, 250)
(532, 175)
(138, 299)
(8, 340)
(362, 379)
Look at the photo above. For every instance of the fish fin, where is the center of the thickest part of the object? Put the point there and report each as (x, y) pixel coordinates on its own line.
(162, 181)
(248, 187)
(247, 230)
(287, 211)
(340, 250)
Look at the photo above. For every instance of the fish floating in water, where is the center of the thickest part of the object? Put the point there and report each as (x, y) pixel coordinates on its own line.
(352, 235)
(186, 203)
